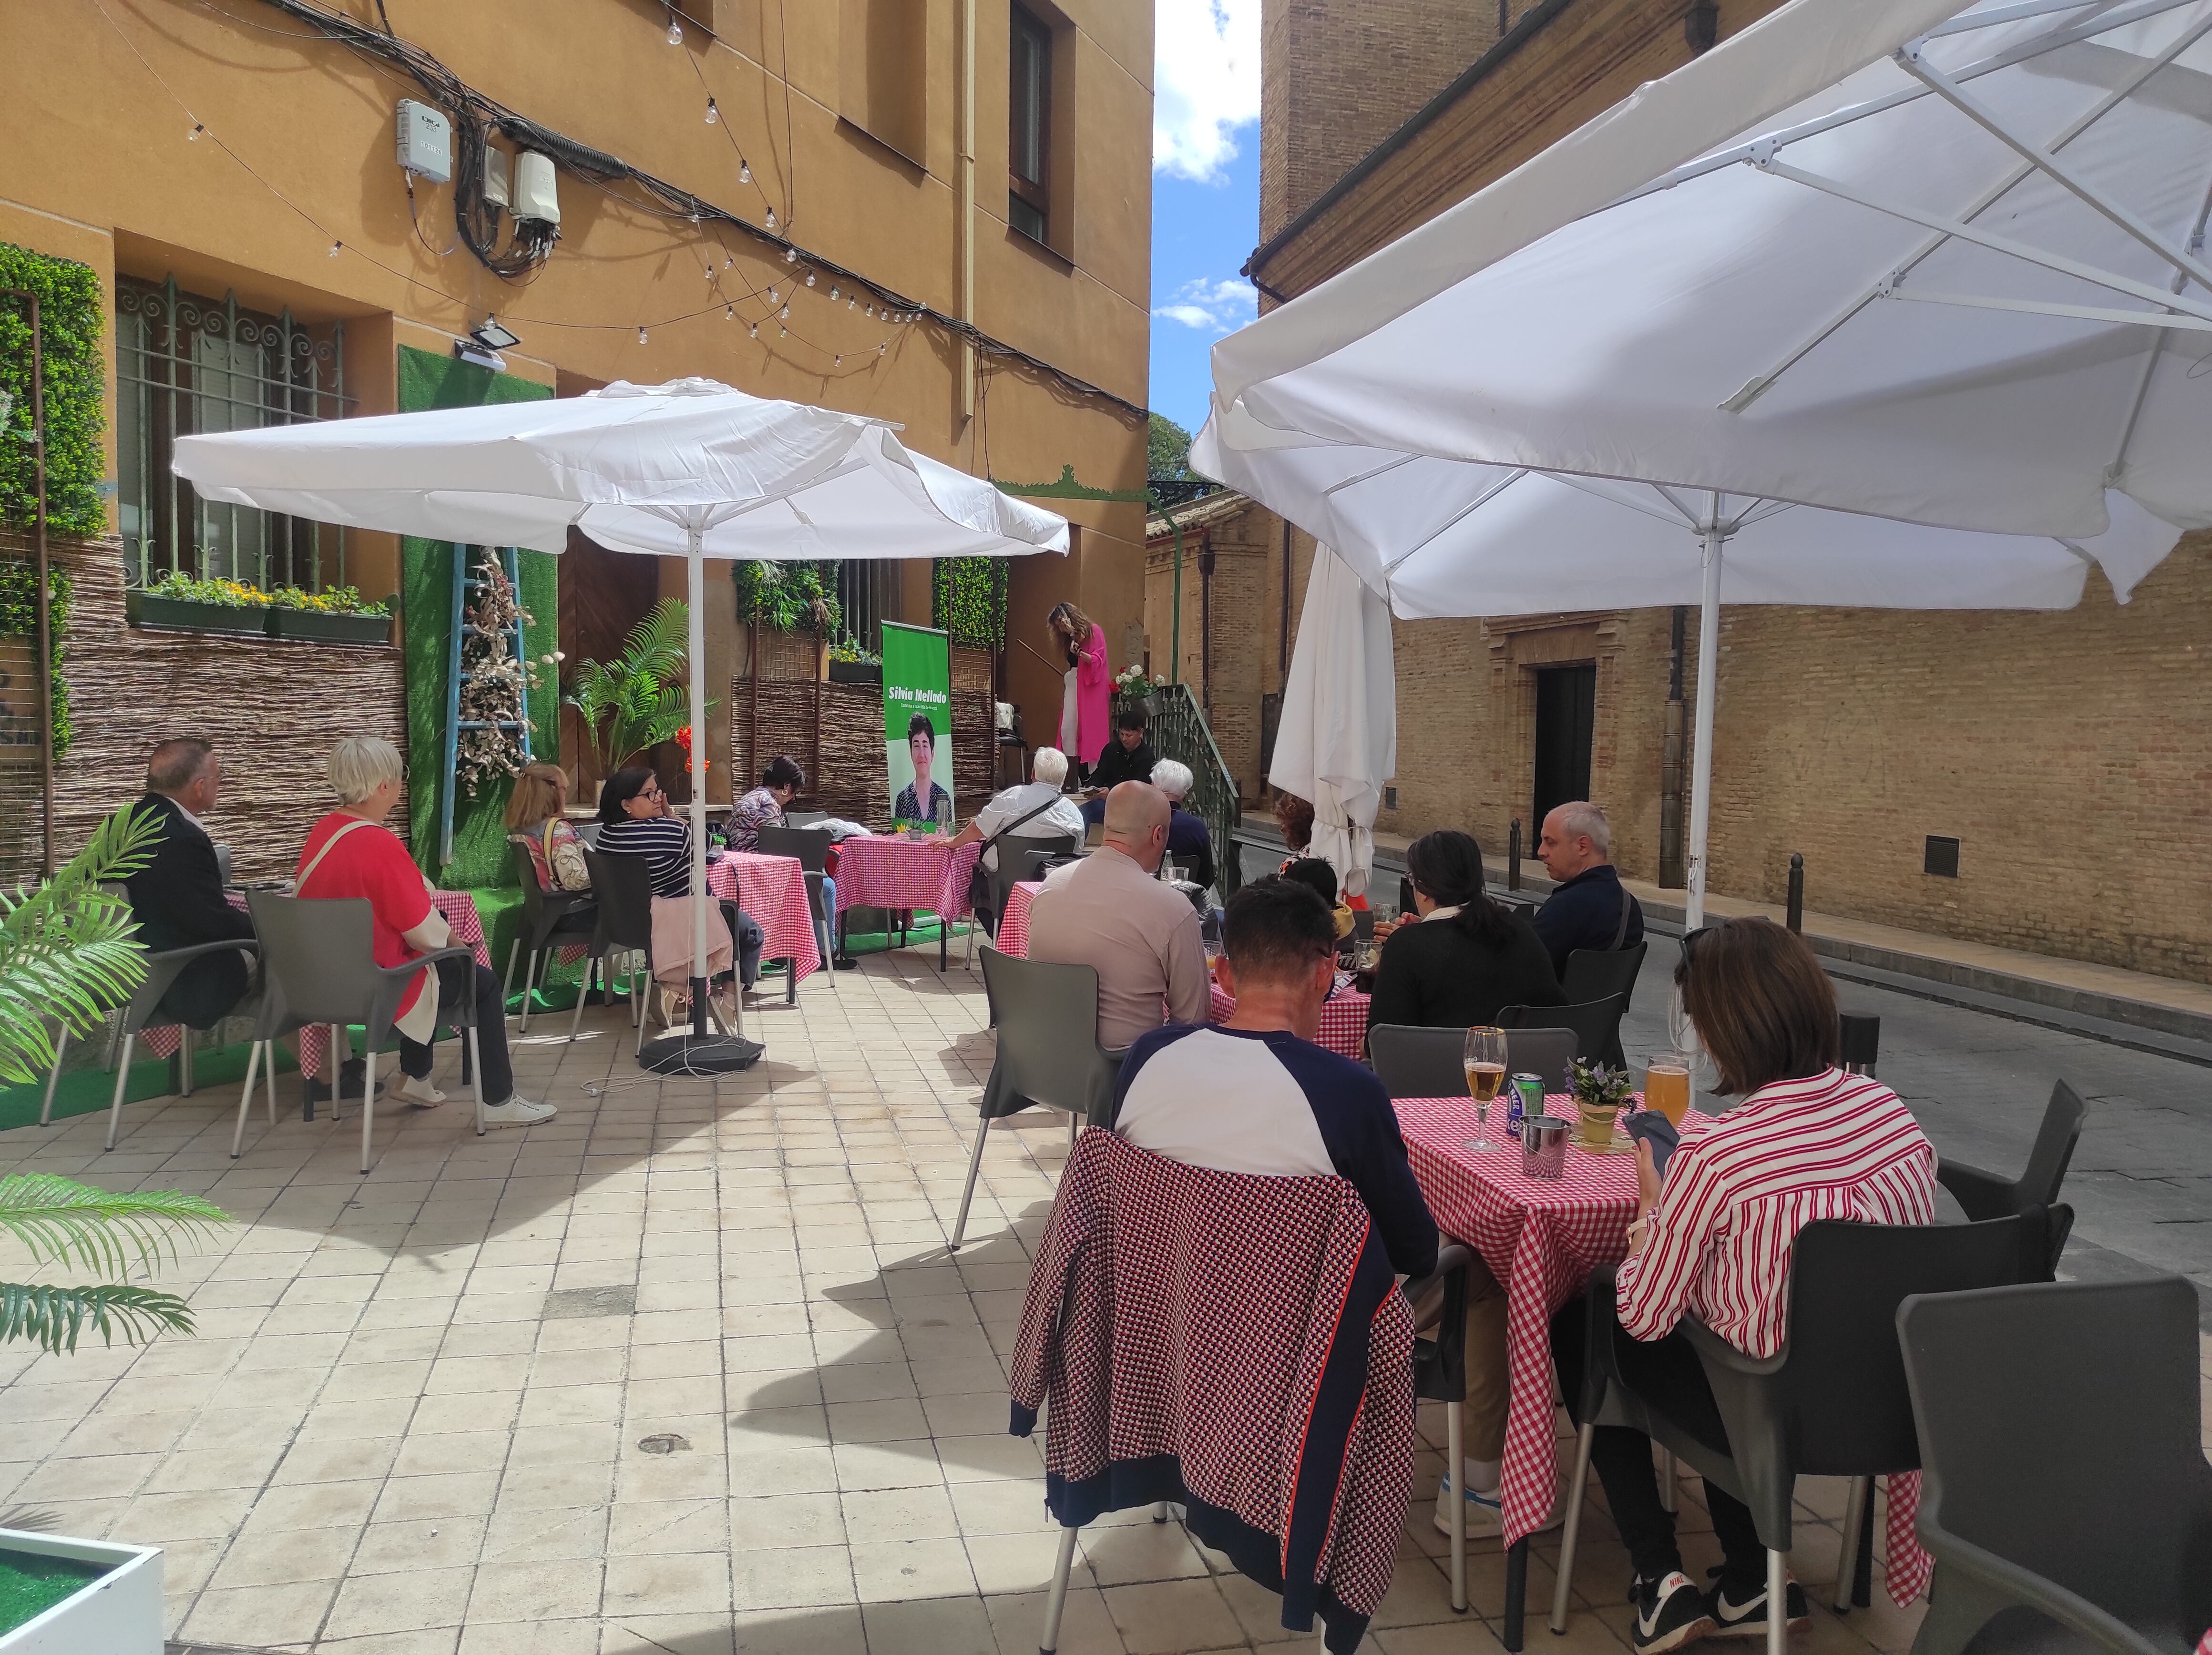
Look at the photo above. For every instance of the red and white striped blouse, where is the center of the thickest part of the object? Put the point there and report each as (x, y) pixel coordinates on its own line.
(1831, 1146)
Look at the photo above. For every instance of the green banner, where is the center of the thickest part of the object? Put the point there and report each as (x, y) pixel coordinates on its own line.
(918, 724)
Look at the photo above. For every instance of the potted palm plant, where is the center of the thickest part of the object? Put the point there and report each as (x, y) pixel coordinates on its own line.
(67, 955)
(632, 703)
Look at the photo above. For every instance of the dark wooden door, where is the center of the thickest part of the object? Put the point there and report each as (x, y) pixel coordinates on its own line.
(1566, 714)
(602, 595)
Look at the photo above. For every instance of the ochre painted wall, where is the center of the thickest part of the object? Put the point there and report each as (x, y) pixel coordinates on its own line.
(298, 152)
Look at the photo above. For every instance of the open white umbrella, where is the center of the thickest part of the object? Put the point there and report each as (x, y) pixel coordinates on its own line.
(1338, 741)
(1436, 538)
(691, 469)
(1734, 341)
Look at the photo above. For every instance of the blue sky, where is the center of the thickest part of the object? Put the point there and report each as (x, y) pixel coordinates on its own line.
(1206, 190)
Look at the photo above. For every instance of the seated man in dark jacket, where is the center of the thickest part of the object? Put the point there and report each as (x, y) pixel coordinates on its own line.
(176, 896)
(1127, 757)
(1590, 909)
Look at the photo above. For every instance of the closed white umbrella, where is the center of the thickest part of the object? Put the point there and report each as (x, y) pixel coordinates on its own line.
(1338, 740)
(691, 469)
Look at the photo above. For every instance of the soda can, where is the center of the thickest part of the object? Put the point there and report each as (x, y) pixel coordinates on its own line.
(1526, 1103)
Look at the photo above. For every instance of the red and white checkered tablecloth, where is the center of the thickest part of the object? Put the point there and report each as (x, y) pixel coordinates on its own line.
(891, 870)
(1343, 1020)
(1541, 1239)
(460, 911)
(773, 890)
(1014, 924)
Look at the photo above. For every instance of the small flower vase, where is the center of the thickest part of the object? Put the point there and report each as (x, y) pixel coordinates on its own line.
(1596, 1121)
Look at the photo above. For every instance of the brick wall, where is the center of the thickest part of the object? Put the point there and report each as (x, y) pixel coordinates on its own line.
(1338, 76)
(273, 708)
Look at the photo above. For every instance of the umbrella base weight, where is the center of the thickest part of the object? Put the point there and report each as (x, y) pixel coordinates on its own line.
(696, 1054)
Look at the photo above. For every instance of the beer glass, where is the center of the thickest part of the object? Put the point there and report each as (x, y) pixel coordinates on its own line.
(1666, 1086)
(1485, 1061)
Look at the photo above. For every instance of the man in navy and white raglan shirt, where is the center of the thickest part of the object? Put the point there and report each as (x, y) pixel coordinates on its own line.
(1256, 1095)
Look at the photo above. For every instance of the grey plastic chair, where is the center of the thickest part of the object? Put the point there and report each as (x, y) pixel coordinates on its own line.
(1832, 1402)
(623, 885)
(803, 818)
(2063, 1476)
(1599, 974)
(1430, 1063)
(549, 919)
(318, 967)
(1986, 1195)
(1048, 1054)
(810, 848)
(143, 1008)
(1017, 855)
(1595, 1023)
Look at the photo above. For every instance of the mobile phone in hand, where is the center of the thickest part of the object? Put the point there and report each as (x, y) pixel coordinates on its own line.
(1655, 1129)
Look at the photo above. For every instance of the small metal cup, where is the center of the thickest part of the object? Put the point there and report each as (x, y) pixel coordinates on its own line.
(1544, 1146)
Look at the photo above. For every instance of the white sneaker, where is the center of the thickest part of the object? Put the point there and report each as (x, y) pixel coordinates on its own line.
(418, 1092)
(518, 1111)
(1485, 1516)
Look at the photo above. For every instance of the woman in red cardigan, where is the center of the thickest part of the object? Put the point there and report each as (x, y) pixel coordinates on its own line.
(1084, 702)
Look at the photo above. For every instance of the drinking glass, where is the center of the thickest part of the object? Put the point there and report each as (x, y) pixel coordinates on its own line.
(1484, 1060)
(1667, 1085)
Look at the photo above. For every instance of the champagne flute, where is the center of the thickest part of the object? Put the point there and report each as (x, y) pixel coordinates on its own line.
(1485, 1061)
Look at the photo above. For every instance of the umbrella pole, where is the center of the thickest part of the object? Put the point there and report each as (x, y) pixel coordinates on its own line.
(696, 1051)
(1701, 772)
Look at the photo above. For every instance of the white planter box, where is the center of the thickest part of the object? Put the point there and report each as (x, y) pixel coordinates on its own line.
(118, 1614)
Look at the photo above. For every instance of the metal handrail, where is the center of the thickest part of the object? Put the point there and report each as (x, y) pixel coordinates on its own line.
(1179, 732)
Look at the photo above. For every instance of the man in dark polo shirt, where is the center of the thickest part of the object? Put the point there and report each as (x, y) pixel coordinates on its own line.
(1590, 909)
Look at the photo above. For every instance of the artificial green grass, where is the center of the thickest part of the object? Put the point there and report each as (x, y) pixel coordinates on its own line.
(31, 1585)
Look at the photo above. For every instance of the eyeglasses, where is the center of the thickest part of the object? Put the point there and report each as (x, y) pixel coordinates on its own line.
(1692, 938)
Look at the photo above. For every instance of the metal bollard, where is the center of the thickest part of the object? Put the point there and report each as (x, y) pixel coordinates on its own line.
(1513, 856)
(1861, 1041)
(1795, 916)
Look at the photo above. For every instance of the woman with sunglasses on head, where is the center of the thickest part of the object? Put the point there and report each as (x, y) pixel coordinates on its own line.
(1805, 1141)
(635, 820)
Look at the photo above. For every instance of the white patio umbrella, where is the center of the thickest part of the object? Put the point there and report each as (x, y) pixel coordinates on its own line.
(1436, 538)
(691, 469)
(1738, 334)
(1338, 740)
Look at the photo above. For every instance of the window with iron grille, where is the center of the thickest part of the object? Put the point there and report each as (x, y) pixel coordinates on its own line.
(184, 365)
(868, 591)
(1029, 138)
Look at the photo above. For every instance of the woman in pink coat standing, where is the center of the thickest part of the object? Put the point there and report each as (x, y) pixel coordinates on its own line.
(1084, 700)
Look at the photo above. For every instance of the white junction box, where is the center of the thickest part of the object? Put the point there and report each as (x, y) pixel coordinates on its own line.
(535, 194)
(495, 176)
(119, 1612)
(426, 141)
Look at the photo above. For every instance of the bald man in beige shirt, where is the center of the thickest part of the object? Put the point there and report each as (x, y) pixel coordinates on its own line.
(1110, 912)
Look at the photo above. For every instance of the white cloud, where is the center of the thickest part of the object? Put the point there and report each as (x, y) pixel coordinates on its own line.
(1215, 306)
(1205, 83)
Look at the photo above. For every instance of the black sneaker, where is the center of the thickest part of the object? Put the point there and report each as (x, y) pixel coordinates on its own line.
(1746, 1617)
(1669, 1613)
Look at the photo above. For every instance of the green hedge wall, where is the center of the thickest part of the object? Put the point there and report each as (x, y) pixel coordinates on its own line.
(969, 600)
(71, 316)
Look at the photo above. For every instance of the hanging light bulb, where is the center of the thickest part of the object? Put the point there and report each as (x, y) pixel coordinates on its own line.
(837, 361)
(784, 315)
(852, 304)
(728, 263)
(783, 333)
(729, 312)
(772, 298)
(193, 136)
(880, 349)
(641, 335)
(744, 171)
(714, 114)
(675, 31)
(833, 295)
(753, 332)
(871, 312)
(771, 224)
(790, 254)
(334, 246)
(810, 278)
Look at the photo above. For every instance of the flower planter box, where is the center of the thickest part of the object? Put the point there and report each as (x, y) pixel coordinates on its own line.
(148, 609)
(856, 672)
(117, 1612)
(320, 627)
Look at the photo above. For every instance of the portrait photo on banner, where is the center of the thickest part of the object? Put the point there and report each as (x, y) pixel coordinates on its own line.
(918, 724)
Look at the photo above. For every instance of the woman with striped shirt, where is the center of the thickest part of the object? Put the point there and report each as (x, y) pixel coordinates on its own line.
(1807, 1141)
(634, 820)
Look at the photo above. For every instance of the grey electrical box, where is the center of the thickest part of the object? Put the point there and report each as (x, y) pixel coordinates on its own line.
(494, 177)
(426, 141)
(536, 195)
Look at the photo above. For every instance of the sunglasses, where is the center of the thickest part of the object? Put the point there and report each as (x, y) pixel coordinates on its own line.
(1692, 938)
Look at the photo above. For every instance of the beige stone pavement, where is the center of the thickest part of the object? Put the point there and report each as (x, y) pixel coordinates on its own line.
(411, 1422)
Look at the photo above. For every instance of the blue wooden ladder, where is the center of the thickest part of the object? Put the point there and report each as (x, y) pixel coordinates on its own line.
(464, 582)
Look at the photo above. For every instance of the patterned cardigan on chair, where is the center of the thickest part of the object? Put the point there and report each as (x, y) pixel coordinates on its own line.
(1235, 1344)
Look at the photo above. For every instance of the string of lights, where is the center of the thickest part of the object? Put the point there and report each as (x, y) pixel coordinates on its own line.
(596, 167)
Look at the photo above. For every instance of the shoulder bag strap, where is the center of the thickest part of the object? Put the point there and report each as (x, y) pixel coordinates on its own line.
(307, 871)
(1620, 931)
(1015, 823)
